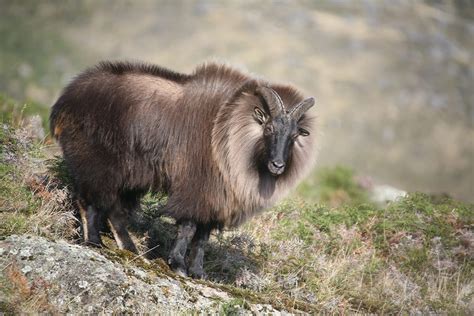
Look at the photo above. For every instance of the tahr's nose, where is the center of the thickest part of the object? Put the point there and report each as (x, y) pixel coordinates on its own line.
(278, 164)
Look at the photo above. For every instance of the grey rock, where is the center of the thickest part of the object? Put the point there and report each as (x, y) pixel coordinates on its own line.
(80, 280)
(383, 194)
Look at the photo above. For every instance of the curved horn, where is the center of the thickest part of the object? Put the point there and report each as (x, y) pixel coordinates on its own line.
(301, 108)
(273, 100)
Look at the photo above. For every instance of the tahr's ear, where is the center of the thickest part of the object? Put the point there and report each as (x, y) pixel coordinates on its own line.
(259, 115)
(303, 132)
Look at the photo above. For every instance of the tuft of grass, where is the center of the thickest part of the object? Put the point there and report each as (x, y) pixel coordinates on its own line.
(13, 112)
(31, 201)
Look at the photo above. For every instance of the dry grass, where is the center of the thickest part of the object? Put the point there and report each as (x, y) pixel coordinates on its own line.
(341, 266)
(32, 200)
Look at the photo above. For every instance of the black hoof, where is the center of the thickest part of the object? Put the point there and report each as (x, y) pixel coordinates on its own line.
(197, 273)
(180, 272)
(178, 266)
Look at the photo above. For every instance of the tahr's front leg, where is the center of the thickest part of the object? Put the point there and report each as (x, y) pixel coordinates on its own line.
(91, 220)
(196, 270)
(118, 219)
(176, 260)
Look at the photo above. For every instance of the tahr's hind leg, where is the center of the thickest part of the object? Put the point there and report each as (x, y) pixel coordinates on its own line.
(196, 270)
(91, 221)
(118, 220)
(186, 231)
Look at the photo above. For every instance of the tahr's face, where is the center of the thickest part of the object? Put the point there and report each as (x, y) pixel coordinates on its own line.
(280, 127)
(279, 133)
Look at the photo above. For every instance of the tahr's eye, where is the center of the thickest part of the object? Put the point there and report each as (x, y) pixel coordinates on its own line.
(303, 132)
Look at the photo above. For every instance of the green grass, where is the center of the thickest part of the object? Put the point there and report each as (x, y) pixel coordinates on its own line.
(334, 186)
(421, 213)
(363, 256)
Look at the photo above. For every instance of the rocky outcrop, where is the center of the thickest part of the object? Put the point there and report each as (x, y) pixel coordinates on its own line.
(75, 279)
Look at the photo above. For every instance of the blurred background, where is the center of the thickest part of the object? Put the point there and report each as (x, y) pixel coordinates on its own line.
(393, 79)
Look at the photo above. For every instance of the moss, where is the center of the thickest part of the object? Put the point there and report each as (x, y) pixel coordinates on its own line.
(127, 258)
(153, 203)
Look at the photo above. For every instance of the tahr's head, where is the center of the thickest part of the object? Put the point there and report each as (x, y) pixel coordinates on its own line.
(280, 127)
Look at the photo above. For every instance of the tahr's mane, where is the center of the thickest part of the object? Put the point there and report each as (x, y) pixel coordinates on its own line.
(237, 147)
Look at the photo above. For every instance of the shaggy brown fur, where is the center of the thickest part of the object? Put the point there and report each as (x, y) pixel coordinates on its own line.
(126, 128)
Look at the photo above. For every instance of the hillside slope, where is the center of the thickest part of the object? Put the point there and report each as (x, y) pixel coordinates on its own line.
(341, 253)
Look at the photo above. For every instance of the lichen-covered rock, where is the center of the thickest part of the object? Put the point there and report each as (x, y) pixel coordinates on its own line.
(77, 279)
